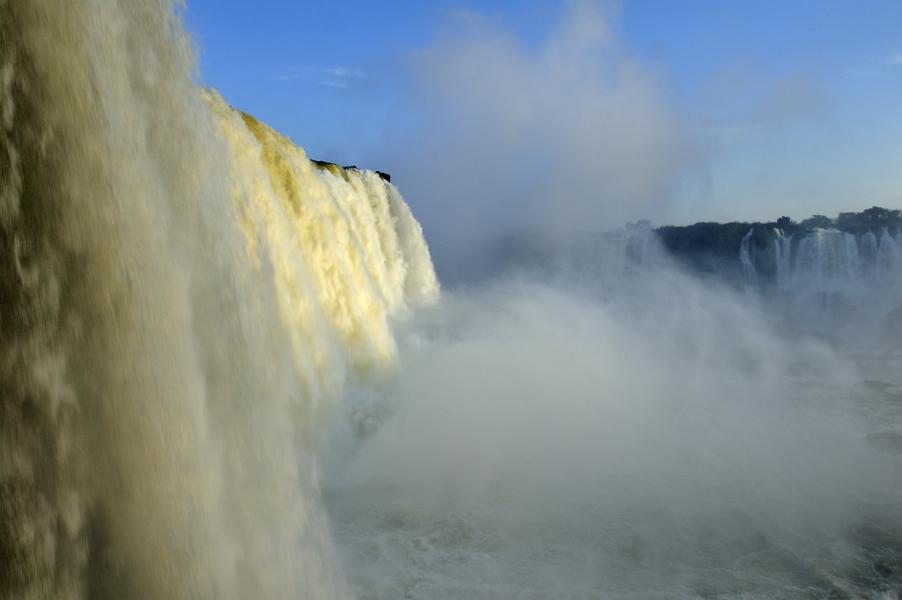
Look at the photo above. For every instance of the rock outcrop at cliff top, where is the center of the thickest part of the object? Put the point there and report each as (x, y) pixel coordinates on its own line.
(324, 165)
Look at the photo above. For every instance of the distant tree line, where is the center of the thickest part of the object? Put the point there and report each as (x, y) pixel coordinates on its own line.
(713, 247)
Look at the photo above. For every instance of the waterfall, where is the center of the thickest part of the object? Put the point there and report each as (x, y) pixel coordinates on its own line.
(868, 250)
(829, 260)
(889, 257)
(184, 294)
(746, 259)
(829, 279)
(826, 260)
(783, 254)
(191, 304)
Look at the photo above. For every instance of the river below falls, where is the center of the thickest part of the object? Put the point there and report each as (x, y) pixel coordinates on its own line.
(587, 532)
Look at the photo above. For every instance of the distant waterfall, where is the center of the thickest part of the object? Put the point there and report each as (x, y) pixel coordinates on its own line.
(746, 260)
(827, 279)
(826, 259)
(889, 257)
(832, 260)
(783, 254)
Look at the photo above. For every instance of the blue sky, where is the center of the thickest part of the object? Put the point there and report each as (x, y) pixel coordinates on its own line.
(770, 107)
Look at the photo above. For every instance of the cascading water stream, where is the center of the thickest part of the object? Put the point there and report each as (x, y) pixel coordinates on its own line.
(830, 281)
(184, 294)
(783, 254)
(190, 305)
(889, 257)
(746, 260)
(828, 260)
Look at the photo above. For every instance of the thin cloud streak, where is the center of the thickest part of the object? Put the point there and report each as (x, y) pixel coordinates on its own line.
(336, 76)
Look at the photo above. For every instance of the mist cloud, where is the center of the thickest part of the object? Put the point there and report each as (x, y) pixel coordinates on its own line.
(574, 132)
(642, 436)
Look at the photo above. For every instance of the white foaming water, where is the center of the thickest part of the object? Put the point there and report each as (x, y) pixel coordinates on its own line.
(184, 295)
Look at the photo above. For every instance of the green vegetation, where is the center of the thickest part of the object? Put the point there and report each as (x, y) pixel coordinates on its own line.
(713, 247)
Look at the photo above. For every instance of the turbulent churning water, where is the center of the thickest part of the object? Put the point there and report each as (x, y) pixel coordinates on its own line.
(217, 382)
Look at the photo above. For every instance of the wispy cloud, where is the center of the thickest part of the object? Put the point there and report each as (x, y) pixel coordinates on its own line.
(894, 59)
(336, 77)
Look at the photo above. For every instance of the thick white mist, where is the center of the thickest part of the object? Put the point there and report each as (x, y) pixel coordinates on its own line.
(637, 435)
(568, 132)
(186, 299)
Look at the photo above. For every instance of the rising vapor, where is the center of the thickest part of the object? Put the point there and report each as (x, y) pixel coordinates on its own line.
(229, 372)
(572, 134)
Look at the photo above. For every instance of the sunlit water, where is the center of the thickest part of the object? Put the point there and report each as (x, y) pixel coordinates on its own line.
(227, 373)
